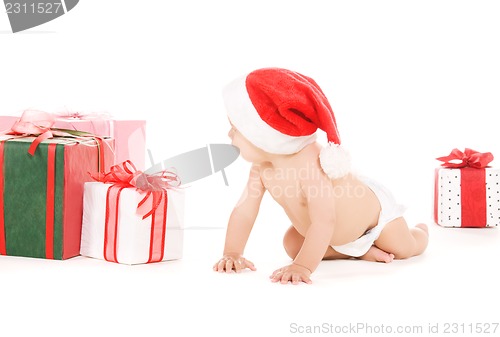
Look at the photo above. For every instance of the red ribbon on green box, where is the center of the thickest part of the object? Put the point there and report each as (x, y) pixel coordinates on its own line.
(27, 202)
(472, 184)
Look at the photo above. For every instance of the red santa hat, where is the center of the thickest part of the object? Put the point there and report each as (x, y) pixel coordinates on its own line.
(279, 111)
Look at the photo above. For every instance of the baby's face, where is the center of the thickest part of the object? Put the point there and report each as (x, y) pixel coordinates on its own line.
(248, 151)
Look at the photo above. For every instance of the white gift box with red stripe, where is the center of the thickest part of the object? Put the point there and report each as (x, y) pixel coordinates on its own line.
(467, 190)
(457, 204)
(113, 230)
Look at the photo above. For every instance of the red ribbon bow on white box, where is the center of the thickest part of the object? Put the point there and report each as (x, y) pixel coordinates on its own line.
(468, 158)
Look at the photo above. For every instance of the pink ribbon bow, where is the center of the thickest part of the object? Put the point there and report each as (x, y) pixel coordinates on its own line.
(39, 124)
(126, 175)
(468, 158)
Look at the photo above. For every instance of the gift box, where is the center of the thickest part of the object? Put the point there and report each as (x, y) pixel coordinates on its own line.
(467, 190)
(120, 225)
(6, 122)
(129, 135)
(41, 195)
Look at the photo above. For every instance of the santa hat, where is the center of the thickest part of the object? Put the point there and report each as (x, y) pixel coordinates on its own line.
(279, 111)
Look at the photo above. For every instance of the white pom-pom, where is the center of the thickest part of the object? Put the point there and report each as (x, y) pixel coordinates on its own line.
(335, 161)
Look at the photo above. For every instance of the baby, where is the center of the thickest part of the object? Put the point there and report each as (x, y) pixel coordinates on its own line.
(334, 214)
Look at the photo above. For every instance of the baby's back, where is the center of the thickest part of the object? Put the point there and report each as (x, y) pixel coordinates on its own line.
(355, 205)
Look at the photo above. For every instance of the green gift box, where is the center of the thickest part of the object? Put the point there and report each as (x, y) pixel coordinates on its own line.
(41, 196)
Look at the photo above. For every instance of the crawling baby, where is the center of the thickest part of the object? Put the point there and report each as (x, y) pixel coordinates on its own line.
(274, 115)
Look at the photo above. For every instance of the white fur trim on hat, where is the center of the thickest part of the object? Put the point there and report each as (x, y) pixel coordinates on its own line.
(335, 161)
(246, 119)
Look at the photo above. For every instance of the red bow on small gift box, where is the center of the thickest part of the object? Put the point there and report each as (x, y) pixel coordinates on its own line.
(468, 158)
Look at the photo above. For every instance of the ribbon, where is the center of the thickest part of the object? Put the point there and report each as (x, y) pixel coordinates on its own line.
(472, 184)
(468, 158)
(111, 223)
(40, 125)
(3, 249)
(49, 203)
(153, 204)
(126, 175)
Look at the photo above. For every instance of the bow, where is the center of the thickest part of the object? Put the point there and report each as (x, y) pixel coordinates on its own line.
(126, 175)
(468, 158)
(40, 124)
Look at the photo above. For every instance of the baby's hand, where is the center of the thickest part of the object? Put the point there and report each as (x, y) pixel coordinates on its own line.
(230, 262)
(293, 273)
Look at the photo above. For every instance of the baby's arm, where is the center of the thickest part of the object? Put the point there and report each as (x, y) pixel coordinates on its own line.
(319, 234)
(240, 225)
(321, 206)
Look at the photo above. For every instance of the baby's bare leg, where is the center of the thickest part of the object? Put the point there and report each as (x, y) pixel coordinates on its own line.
(292, 241)
(403, 242)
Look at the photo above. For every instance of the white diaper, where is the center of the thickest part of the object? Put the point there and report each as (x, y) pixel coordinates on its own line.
(390, 210)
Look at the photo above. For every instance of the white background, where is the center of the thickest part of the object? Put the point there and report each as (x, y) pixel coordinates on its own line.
(408, 81)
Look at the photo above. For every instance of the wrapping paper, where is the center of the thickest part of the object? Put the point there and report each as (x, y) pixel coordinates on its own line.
(467, 197)
(42, 195)
(133, 239)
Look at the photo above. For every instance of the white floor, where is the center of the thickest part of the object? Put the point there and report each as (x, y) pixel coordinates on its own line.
(454, 282)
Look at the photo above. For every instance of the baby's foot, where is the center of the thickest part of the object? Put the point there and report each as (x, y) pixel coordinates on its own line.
(375, 254)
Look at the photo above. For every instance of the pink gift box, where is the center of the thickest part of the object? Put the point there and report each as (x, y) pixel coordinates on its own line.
(129, 135)
(6, 122)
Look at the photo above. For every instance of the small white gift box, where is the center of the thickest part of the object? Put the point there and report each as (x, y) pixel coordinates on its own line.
(112, 229)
